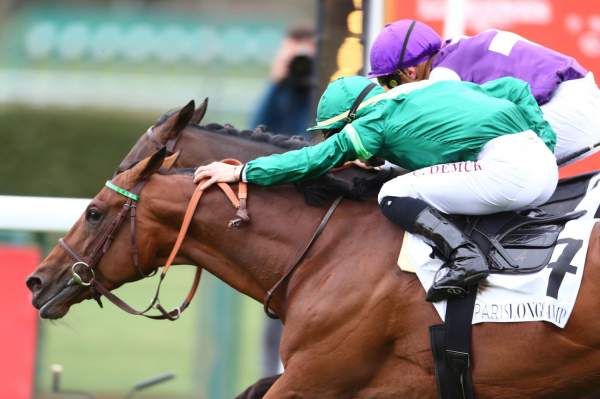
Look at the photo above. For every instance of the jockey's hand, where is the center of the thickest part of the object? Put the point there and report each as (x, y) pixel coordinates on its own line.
(217, 172)
(363, 165)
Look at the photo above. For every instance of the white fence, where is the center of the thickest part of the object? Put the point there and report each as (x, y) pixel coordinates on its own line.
(40, 213)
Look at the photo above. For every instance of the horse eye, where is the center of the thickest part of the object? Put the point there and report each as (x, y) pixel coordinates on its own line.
(93, 215)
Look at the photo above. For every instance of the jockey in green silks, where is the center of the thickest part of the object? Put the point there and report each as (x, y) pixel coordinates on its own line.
(470, 149)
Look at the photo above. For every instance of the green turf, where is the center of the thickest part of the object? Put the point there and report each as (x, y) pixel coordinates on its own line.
(107, 351)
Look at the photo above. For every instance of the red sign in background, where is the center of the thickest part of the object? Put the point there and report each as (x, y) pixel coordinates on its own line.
(18, 329)
(570, 27)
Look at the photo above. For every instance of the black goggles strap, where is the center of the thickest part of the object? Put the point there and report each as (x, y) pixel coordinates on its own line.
(405, 43)
(358, 100)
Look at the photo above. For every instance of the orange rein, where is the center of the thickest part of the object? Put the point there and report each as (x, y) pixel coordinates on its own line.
(239, 202)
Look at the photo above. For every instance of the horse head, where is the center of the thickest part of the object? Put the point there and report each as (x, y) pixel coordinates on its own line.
(101, 245)
(166, 132)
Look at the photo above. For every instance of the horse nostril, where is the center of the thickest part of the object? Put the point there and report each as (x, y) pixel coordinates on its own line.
(34, 284)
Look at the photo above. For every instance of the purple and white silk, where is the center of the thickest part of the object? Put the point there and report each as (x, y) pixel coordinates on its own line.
(494, 54)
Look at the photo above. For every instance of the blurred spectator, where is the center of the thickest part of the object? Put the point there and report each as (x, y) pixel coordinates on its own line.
(286, 105)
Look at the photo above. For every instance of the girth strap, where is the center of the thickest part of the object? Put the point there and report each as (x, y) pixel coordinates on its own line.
(451, 348)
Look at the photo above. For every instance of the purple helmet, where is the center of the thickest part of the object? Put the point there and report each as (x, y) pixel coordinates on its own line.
(402, 44)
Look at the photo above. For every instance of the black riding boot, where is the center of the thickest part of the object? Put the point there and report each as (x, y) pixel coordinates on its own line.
(465, 263)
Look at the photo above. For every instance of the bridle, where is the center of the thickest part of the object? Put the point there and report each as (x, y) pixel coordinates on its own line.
(87, 265)
(83, 269)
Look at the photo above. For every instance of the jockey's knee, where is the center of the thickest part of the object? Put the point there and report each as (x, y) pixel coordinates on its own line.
(398, 187)
(402, 211)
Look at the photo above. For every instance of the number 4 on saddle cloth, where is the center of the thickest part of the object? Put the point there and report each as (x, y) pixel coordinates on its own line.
(532, 254)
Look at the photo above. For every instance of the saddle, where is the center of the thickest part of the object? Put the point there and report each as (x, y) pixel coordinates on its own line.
(514, 242)
(522, 242)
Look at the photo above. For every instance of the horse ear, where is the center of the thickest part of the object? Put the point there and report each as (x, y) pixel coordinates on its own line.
(178, 121)
(199, 112)
(170, 160)
(150, 165)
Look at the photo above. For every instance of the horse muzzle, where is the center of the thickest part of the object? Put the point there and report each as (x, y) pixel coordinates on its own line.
(53, 297)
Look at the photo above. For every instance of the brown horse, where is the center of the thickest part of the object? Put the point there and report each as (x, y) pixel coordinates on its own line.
(355, 326)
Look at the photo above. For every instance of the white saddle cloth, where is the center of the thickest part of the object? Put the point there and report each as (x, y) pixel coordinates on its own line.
(548, 295)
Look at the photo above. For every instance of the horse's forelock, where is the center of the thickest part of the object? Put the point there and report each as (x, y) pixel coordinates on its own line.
(163, 118)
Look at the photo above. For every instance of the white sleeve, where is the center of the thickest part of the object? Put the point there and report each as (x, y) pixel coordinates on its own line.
(443, 73)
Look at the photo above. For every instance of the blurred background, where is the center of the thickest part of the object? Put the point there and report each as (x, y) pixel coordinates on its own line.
(81, 80)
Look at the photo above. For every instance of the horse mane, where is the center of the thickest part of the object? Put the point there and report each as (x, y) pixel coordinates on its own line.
(260, 134)
(320, 191)
(177, 171)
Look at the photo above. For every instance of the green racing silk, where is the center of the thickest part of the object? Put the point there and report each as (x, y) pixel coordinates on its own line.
(414, 126)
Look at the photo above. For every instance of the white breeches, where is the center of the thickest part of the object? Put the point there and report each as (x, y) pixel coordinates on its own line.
(513, 171)
(574, 114)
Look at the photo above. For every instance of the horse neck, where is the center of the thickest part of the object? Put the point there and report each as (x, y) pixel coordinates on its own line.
(208, 146)
(253, 257)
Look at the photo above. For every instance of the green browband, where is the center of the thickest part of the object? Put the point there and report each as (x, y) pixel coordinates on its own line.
(121, 191)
